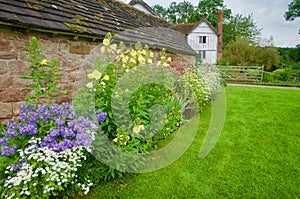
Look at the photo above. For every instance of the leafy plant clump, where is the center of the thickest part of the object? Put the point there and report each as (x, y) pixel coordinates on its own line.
(43, 74)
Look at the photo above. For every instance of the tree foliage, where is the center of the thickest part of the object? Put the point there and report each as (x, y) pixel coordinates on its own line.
(239, 26)
(242, 53)
(293, 10)
(234, 26)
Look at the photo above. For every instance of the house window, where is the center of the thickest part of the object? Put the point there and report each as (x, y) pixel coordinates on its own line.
(202, 54)
(203, 39)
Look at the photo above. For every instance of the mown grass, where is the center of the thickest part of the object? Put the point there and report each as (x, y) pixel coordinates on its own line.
(257, 155)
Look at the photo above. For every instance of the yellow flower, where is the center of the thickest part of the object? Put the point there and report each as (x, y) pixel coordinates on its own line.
(124, 59)
(89, 85)
(133, 61)
(94, 75)
(136, 129)
(144, 52)
(124, 66)
(150, 61)
(106, 42)
(165, 64)
(133, 53)
(142, 127)
(141, 59)
(44, 62)
(159, 63)
(169, 59)
(115, 140)
(106, 77)
(151, 54)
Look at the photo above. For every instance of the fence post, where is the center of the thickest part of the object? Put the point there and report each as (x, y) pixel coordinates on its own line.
(262, 73)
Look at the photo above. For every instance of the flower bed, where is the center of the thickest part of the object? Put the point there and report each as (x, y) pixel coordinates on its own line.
(61, 149)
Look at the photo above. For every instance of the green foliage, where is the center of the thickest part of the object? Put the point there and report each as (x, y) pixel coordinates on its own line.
(293, 10)
(239, 26)
(242, 53)
(279, 75)
(290, 57)
(43, 75)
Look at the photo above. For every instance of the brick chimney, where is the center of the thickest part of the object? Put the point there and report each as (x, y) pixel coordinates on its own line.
(220, 36)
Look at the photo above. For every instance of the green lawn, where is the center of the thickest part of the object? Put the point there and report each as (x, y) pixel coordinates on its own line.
(257, 155)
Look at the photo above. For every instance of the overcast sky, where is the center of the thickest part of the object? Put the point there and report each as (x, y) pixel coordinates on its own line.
(267, 13)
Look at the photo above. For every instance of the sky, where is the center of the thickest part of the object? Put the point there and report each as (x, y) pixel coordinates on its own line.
(269, 15)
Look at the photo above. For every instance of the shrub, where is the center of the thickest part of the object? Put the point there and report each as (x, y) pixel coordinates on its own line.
(282, 74)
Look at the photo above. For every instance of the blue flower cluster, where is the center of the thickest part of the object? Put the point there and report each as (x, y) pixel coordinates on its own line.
(58, 125)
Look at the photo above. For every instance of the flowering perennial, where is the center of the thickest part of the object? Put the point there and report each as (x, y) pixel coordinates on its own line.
(48, 143)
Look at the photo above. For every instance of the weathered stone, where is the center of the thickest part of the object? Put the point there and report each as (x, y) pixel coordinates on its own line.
(20, 83)
(63, 48)
(21, 45)
(5, 81)
(16, 108)
(5, 110)
(5, 46)
(80, 50)
(8, 55)
(3, 67)
(18, 67)
(48, 46)
(14, 95)
(24, 37)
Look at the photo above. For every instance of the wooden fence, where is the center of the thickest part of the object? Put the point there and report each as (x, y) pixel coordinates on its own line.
(242, 73)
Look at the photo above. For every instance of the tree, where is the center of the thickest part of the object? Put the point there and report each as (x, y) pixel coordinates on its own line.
(239, 26)
(210, 8)
(293, 10)
(184, 12)
(242, 53)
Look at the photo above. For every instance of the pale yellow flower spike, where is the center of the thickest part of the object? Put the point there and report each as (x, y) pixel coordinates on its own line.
(169, 59)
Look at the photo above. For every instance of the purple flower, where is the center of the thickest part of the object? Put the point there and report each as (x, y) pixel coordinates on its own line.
(3, 141)
(101, 116)
(72, 115)
(6, 151)
(11, 133)
(60, 122)
(15, 167)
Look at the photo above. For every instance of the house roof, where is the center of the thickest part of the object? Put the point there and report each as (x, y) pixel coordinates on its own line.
(146, 6)
(92, 18)
(188, 28)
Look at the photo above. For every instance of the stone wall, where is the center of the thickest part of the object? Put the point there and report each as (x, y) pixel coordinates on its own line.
(70, 53)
